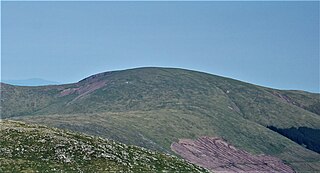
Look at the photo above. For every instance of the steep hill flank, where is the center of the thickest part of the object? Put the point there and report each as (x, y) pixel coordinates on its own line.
(154, 107)
(162, 88)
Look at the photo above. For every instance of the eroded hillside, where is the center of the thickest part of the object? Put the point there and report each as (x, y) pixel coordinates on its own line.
(217, 155)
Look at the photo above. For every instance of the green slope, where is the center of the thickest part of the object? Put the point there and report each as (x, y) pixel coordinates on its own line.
(153, 107)
(34, 148)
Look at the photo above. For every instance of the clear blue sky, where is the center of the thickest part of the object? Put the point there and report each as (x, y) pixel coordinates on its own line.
(274, 44)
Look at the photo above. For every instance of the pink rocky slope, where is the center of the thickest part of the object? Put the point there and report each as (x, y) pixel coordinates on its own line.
(217, 155)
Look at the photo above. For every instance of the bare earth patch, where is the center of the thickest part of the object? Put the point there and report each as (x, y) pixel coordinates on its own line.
(217, 155)
(87, 85)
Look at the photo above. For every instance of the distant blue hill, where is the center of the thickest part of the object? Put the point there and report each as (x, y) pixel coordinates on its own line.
(30, 82)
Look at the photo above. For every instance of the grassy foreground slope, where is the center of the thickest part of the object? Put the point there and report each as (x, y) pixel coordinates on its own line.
(34, 148)
(154, 107)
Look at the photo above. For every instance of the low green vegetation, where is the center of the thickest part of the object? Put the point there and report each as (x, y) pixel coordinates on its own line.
(154, 107)
(34, 148)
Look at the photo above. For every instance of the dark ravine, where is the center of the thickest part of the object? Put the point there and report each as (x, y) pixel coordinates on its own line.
(308, 137)
(217, 155)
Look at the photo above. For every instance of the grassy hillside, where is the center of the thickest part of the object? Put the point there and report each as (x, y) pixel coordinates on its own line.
(34, 148)
(154, 107)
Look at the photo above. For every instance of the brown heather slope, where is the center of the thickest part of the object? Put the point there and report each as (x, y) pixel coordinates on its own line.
(217, 155)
